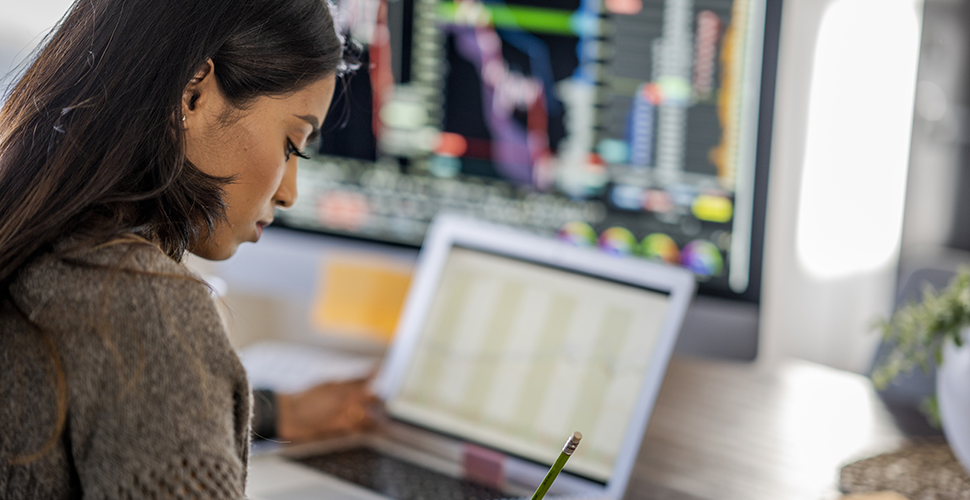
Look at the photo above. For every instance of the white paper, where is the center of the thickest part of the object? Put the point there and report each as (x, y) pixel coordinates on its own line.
(289, 367)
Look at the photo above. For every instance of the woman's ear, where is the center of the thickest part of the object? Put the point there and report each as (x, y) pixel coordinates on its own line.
(201, 96)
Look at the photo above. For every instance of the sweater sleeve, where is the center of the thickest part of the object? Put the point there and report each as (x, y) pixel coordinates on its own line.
(158, 400)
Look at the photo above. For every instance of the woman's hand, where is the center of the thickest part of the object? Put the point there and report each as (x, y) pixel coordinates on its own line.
(325, 410)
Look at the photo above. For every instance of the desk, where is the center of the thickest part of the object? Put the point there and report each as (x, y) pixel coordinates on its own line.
(724, 430)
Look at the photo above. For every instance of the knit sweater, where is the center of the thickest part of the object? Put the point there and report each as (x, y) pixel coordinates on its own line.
(157, 404)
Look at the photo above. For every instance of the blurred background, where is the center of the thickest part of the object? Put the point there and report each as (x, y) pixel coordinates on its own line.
(851, 116)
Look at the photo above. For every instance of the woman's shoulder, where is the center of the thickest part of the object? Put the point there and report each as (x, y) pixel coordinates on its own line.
(123, 306)
(152, 380)
(127, 270)
(129, 253)
(124, 291)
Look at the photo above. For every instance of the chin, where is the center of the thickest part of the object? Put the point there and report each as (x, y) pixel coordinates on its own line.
(216, 252)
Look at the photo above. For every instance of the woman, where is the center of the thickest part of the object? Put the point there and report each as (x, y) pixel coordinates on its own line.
(143, 130)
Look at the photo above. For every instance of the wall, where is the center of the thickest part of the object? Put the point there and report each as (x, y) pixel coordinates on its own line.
(806, 314)
(22, 26)
(938, 130)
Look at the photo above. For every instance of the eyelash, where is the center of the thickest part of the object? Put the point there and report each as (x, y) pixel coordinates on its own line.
(292, 150)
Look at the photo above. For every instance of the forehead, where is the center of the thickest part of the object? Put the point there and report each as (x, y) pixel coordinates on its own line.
(314, 98)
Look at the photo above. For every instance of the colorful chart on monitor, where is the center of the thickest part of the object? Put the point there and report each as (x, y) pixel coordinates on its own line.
(659, 246)
(579, 234)
(702, 257)
(617, 241)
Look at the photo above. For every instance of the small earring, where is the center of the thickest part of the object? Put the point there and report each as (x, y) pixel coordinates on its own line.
(183, 118)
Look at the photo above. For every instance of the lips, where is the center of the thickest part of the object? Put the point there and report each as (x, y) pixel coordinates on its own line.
(259, 227)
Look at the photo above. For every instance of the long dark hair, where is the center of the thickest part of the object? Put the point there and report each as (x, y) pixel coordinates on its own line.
(89, 136)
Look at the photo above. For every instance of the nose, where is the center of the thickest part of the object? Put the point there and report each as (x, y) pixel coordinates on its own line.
(285, 195)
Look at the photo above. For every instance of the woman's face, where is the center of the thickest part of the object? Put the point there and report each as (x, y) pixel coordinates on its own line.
(257, 146)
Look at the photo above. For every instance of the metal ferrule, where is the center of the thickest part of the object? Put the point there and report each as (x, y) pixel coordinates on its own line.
(572, 443)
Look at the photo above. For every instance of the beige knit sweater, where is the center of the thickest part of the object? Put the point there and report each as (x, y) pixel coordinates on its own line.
(157, 403)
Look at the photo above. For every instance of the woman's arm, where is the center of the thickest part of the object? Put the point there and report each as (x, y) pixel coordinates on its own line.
(324, 410)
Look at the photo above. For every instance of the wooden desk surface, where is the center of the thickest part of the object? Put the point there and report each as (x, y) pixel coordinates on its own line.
(724, 430)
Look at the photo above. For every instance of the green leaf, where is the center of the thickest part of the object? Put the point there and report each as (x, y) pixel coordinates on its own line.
(919, 330)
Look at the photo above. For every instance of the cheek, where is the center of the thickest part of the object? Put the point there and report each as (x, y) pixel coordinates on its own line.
(258, 168)
(257, 163)
(268, 178)
(255, 185)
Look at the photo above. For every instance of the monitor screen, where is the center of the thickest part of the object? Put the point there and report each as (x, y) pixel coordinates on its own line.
(640, 127)
(516, 356)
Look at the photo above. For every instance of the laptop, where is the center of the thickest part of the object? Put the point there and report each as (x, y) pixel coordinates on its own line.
(508, 342)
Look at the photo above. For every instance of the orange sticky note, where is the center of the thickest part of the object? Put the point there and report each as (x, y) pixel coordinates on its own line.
(360, 297)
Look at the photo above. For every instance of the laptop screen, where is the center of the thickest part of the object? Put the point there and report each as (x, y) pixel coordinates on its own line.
(516, 355)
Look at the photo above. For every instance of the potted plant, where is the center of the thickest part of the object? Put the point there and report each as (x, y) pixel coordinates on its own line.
(936, 329)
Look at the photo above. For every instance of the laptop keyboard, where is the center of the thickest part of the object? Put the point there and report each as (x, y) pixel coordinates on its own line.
(398, 479)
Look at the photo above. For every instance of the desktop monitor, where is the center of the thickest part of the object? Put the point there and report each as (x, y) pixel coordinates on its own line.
(641, 127)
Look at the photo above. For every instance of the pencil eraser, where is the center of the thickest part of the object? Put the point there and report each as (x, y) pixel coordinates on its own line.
(572, 443)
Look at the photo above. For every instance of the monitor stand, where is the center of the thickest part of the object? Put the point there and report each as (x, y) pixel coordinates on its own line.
(720, 328)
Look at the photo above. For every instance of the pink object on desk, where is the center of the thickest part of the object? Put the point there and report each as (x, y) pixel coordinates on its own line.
(483, 465)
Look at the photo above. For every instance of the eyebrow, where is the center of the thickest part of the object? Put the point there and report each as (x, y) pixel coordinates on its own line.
(312, 120)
